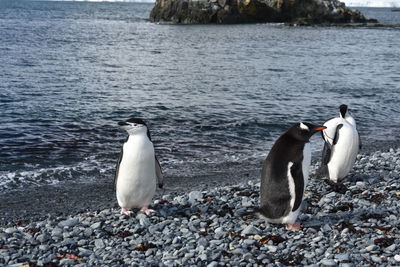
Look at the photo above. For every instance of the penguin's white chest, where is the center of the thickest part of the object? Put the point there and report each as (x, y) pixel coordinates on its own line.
(292, 216)
(136, 182)
(344, 153)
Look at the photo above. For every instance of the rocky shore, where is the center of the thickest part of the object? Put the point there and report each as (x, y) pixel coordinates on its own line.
(303, 12)
(357, 224)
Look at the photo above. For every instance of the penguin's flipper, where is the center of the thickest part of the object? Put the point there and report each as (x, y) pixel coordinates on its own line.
(326, 153)
(117, 169)
(323, 136)
(118, 163)
(297, 173)
(336, 138)
(159, 174)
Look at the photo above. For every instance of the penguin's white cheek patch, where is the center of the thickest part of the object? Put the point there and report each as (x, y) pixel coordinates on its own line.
(303, 126)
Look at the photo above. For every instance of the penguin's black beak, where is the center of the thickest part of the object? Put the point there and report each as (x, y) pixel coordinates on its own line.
(122, 123)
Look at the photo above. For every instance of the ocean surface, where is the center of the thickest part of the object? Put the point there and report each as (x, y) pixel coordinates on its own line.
(214, 96)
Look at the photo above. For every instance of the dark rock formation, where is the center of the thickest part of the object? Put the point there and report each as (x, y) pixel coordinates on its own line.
(252, 11)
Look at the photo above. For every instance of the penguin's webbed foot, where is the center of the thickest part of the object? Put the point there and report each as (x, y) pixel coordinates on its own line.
(147, 211)
(126, 212)
(296, 226)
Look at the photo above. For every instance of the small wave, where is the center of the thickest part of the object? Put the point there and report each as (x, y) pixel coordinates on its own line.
(81, 172)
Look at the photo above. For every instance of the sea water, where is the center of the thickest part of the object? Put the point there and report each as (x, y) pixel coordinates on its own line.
(214, 96)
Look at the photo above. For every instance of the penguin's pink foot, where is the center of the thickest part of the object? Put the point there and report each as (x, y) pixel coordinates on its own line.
(126, 212)
(147, 211)
(295, 227)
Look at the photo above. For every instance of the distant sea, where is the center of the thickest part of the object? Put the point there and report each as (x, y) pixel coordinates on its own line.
(214, 96)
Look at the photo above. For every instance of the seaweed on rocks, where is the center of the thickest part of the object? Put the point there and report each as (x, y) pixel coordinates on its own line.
(384, 241)
(145, 246)
(345, 206)
(367, 216)
(346, 225)
(276, 239)
(292, 259)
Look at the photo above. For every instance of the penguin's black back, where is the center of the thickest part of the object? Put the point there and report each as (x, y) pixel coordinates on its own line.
(275, 195)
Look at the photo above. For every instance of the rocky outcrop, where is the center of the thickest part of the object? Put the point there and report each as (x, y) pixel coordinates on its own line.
(252, 11)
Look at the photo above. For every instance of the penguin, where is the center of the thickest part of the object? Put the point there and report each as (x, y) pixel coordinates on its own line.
(138, 169)
(284, 175)
(342, 144)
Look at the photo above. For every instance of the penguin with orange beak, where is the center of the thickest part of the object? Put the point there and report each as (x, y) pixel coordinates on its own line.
(285, 175)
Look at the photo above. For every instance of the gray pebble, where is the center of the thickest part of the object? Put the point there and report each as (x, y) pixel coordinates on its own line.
(213, 264)
(69, 222)
(391, 248)
(371, 248)
(328, 262)
(42, 238)
(250, 230)
(67, 261)
(143, 220)
(342, 257)
(95, 225)
(195, 196)
(11, 230)
(98, 243)
(249, 241)
(203, 257)
(57, 232)
(376, 259)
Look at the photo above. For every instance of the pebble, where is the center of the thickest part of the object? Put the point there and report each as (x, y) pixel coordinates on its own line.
(250, 230)
(143, 220)
(391, 248)
(223, 231)
(57, 232)
(195, 196)
(328, 262)
(371, 248)
(10, 230)
(376, 259)
(98, 243)
(342, 257)
(95, 225)
(69, 222)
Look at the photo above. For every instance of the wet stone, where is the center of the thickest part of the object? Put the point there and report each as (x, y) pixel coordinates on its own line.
(99, 243)
(69, 222)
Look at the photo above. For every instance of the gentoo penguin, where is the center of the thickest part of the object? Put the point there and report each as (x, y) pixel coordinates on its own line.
(342, 143)
(285, 174)
(138, 169)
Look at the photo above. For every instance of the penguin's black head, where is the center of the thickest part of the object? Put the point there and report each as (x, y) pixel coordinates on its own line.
(134, 126)
(303, 130)
(343, 110)
(132, 121)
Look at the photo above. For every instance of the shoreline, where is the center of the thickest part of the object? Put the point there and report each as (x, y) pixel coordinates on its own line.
(217, 226)
(40, 202)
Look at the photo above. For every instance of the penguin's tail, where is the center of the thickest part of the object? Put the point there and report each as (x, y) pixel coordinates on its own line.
(261, 213)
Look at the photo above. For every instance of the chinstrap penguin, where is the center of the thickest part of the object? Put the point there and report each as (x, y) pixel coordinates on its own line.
(138, 170)
(284, 175)
(342, 144)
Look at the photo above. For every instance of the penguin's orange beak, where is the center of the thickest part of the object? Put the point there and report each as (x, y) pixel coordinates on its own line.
(319, 128)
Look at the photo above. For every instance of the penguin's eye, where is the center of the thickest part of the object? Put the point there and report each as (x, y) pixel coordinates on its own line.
(134, 124)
